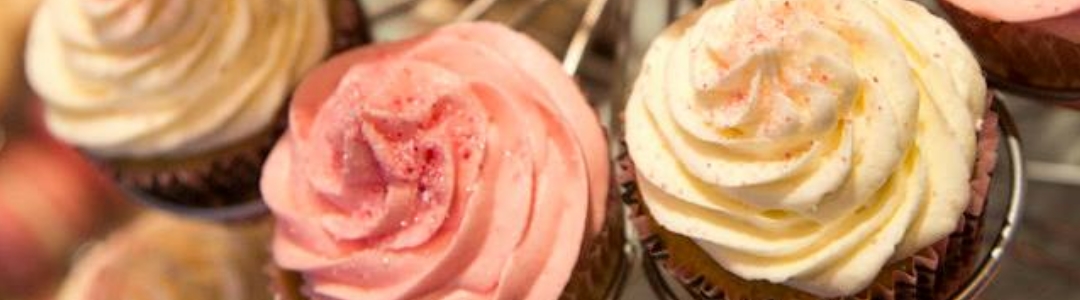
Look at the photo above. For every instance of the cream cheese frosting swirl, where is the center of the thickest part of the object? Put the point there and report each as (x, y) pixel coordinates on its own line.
(807, 142)
(170, 77)
(463, 164)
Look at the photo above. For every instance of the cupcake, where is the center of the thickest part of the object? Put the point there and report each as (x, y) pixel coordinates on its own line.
(51, 202)
(1028, 45)
(180, 101)
(808, 149)
(463, 163)
(164, 257)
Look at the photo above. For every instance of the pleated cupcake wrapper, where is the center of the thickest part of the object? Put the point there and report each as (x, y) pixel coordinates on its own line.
(230, 175)
(935, 272)
(912, 278)
(350, 23)
(964, 244)
(284, 284)
(603, 262)
(598, 275)
(221, 178)
(1017, 53)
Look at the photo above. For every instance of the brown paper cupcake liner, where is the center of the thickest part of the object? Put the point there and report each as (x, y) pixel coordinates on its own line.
(935, 272)
(1018, 54)
(228, 176)
(284, 284)
(350, 24)
(222, 178)
(599, 273)
(603, 263)
(961, 255)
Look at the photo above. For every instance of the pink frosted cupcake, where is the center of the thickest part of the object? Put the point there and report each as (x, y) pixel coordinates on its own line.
(1030, 46)
(462, 163)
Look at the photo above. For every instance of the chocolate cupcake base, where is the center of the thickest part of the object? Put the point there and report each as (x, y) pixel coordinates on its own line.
(1021, 59)
(678, 268)
(220, 179)
(223, 184)
(603, 265)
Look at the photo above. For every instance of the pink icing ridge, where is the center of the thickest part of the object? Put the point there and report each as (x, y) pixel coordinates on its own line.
(407, 166)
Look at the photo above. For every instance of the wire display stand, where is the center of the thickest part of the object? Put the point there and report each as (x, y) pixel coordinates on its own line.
(588, 35)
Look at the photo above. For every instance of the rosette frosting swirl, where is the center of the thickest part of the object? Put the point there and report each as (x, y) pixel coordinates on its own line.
(170, 77)
(807, 142)
(463, 164)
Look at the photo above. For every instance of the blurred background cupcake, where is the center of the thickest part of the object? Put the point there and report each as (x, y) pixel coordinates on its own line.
(463, 163)
(810, 150)
(1027, 46)
(158, 256)
(51, 200)
(180, 101)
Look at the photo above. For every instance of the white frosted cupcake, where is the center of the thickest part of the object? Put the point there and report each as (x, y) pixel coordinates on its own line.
(180, 100)
(808, 149)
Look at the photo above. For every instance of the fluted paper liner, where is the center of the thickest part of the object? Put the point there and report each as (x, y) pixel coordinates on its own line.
(935, 272)
(1017, 53)
(603, 262)
(222, 178)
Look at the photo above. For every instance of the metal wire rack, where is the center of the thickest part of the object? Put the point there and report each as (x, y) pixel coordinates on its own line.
(589, 35)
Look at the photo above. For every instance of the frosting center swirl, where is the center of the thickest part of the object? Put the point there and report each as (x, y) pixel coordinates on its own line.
(414, 137)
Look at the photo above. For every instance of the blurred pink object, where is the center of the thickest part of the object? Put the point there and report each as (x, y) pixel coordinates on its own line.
(51, 201)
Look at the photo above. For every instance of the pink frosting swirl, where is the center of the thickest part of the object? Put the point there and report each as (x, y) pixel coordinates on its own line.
(462, 164)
